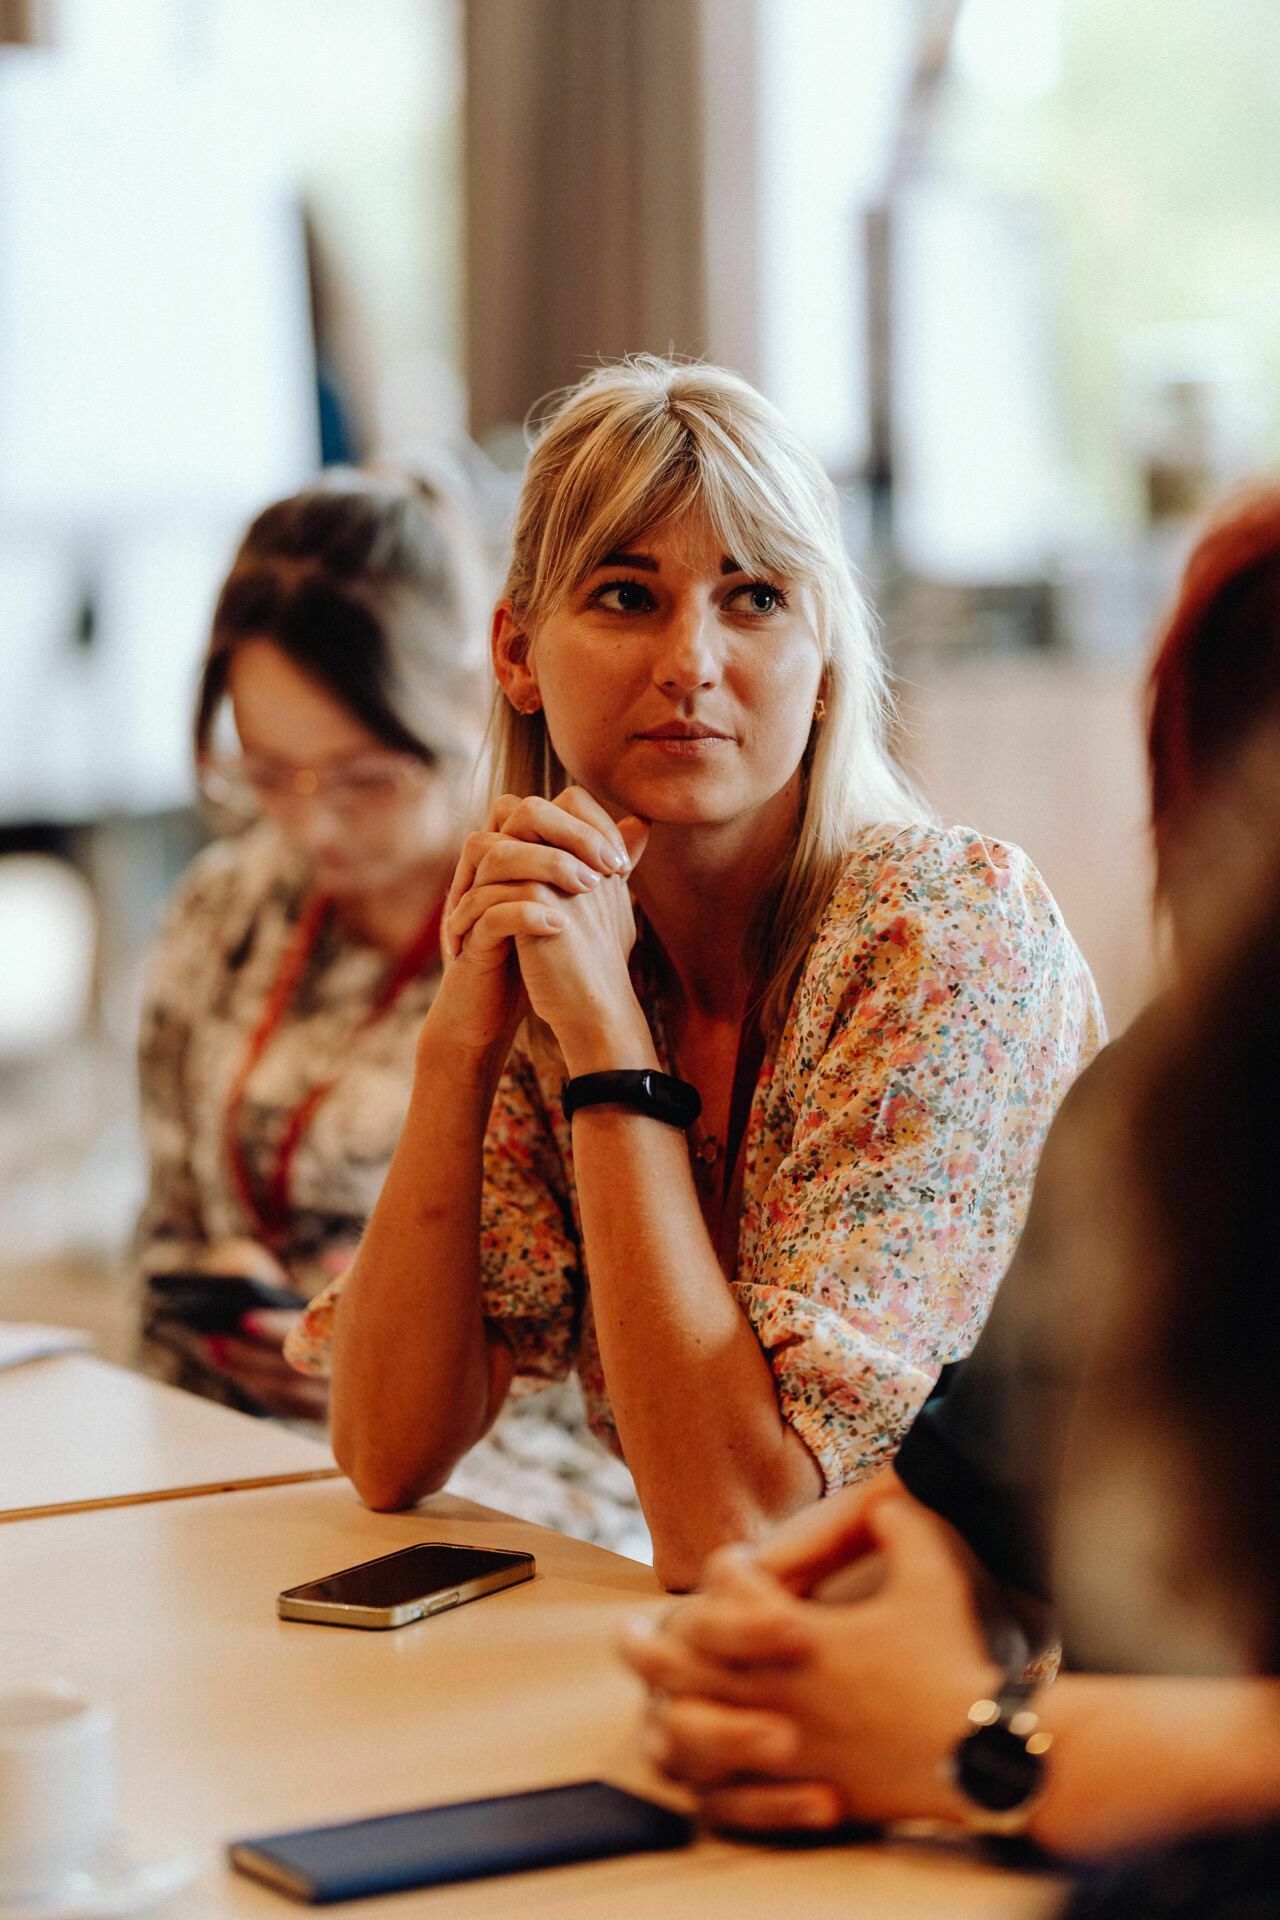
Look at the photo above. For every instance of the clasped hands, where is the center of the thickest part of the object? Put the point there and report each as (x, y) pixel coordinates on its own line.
(535, 884)
(783, 1711)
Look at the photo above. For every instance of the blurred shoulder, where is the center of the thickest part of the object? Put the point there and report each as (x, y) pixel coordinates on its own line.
(222, 894)
(244, 869)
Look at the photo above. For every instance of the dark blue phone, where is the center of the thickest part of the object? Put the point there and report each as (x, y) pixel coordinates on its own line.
(469, 1840)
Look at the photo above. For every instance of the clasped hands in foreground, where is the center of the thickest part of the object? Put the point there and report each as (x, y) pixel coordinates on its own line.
(780, 1712)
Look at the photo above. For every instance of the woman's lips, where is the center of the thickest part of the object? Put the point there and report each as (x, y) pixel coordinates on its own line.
(684, 742)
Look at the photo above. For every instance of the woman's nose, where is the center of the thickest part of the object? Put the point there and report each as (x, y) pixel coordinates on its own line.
(688, 655)
(313, 823)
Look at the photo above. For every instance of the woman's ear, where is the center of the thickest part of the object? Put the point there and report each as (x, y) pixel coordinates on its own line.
(512, 661)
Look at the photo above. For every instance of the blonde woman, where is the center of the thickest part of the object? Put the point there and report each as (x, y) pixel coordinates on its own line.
(734, 1086)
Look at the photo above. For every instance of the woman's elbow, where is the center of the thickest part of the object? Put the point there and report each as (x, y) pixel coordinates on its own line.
(677, 1572)
(384, 1480)
(395, 1496)
(681, 1549)
(679, 1558)
(388, 1487)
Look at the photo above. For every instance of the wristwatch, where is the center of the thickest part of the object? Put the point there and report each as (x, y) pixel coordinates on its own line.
(643, 1089)
(999, 1765)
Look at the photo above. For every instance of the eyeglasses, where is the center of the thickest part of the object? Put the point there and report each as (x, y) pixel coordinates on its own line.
(365, 784)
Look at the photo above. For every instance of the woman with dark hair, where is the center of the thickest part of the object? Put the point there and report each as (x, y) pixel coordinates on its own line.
(299, 956)
(1106, 1463)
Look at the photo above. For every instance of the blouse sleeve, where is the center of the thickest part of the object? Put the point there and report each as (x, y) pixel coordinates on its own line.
(171, 1226)
(530, 1263)
(943, 1014)
(530, 1244)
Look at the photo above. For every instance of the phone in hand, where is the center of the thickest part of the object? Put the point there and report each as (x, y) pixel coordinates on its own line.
(212, 1302)
(434, 1846)
(430, 1577)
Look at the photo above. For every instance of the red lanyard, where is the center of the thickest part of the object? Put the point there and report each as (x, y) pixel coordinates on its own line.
(271, 1208)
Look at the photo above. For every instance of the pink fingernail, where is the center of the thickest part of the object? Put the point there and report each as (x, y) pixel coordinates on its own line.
(811, 1810)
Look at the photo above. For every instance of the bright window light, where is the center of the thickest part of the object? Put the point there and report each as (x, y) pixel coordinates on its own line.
(1011, 49)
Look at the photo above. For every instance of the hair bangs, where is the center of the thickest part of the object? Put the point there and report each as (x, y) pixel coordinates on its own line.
(632, 475)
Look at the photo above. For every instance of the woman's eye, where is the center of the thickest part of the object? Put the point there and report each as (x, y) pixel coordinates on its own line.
(623, 596)
(758, 598)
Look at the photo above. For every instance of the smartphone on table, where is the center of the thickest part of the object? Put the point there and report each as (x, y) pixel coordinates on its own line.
(430, 1577)
(469, 1840)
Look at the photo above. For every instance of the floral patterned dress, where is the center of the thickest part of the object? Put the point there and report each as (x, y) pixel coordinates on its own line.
(941, 1014)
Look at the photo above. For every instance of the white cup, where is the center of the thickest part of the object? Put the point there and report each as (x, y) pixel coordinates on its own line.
(57, 1786)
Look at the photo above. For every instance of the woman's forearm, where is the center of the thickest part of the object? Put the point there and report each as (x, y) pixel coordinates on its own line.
(1135, 1760)
(416, 1377)
(691, 1388)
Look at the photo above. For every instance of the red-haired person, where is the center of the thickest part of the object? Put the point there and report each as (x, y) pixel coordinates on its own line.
(1091, 1466)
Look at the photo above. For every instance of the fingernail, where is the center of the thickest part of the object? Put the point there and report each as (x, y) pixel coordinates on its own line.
(774, 1749)
(810, 1810)
(618, 860)
(589, 878)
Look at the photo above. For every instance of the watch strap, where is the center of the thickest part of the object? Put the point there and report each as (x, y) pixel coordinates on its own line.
(643, 1089)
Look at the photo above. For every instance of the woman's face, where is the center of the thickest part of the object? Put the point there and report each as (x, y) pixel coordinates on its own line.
(363, 816)
(678, 686)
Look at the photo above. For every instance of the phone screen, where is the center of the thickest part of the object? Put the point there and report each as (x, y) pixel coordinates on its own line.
(433, 1846)
(397, 1578)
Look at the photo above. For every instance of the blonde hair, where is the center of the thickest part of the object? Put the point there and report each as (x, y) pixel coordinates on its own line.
(641, 443)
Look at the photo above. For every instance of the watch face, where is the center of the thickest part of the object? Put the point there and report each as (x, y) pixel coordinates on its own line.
(994, 1769)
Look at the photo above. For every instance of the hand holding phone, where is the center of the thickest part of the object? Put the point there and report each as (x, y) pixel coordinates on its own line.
(430, 1577)
(227, 1331)
(212, 1302)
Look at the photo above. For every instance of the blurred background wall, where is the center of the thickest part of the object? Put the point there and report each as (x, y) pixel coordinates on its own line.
(1011, 265)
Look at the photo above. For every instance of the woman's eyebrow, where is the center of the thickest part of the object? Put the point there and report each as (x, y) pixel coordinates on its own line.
(645, 563)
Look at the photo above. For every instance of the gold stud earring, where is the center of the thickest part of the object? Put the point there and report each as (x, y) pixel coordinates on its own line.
(819, 709)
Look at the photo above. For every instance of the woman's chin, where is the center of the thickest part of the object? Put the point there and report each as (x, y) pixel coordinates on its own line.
(670, 803)
(349, 879)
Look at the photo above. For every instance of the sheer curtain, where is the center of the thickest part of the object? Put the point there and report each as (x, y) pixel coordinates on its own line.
(610, 199)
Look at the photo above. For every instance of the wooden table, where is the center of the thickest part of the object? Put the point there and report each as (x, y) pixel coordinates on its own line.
(76, 1433)
(233, 1722)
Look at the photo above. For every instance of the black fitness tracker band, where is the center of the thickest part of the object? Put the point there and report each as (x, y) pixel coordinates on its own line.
(644, 1090)
(999, 1765)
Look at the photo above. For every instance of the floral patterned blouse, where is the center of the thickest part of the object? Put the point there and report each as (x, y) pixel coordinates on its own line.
(941, 1014)
(225, 938)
